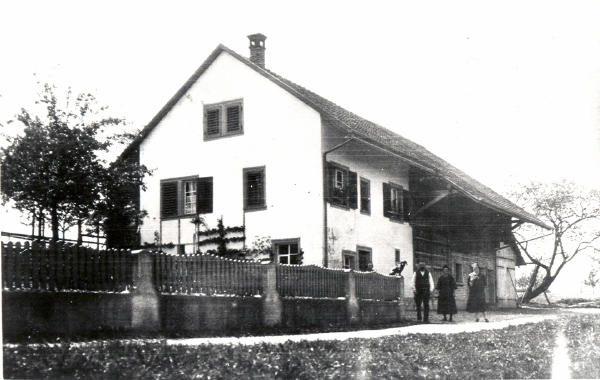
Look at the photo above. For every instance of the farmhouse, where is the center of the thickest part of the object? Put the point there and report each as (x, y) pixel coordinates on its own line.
(241, 143)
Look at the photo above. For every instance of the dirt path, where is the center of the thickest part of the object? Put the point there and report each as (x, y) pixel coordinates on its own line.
(560, 359)
(432, 328)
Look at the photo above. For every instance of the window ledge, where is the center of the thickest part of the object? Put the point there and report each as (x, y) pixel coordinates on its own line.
(178, 217)
(223, 136)
(255, 208)
(341, 207)
(396, 220)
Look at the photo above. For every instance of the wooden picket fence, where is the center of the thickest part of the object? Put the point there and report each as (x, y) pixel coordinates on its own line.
(41, 266)
(310, 281)
(207, 274)
(58, 267)
(376, 286)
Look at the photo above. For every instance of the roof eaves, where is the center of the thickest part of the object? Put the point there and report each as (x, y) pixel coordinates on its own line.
(173, 100)
(280, 81)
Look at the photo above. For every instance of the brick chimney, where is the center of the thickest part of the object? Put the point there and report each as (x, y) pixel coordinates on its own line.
(257, 49)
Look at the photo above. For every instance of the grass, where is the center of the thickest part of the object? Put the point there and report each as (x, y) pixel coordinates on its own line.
(583, 336)
(516, 352)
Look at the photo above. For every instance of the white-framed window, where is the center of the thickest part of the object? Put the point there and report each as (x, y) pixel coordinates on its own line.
(185, 196)
(365, 196)
(189, 197)
(349, 259)
(342, 186)
(339, 179)
(395, 202)
(287, 250)
(223, 119)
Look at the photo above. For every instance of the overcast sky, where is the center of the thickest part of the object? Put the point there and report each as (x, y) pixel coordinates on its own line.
(507, 91)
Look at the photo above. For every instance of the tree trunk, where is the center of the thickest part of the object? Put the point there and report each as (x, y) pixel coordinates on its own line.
(527, 296)
(54, 222)
(33, 217)
(543, 287)
(40, 223)
(79, 236)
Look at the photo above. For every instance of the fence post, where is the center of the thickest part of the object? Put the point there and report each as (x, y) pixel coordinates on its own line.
(401, 304)
(352, 307)
(272, 307)
(144, 308)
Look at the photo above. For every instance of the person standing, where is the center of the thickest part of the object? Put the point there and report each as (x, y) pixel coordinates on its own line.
(422, 284)
(476, 300)
(445, 287)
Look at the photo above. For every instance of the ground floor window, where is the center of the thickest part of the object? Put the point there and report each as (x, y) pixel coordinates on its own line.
(287, 251)
(365, 262)
(349, 259)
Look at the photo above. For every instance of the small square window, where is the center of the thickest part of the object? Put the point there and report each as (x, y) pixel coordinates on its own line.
(223, 119)
(349, 260)
(288, 251)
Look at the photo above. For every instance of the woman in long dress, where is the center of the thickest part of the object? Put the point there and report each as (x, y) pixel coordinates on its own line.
(476, 300)
(445, 286)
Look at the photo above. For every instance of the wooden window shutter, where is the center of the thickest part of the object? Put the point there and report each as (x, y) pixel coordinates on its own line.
(352, 191)
(254, 188)
(168, 199)
(213, 121)
(387, 200)
(234, 119)
(330, 178)
(204, 197)
(406, 205)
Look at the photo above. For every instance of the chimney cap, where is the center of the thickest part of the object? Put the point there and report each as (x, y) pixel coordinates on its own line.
(257, 37)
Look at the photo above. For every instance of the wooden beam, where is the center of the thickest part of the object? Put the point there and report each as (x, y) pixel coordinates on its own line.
(439, 196)
(516, 224)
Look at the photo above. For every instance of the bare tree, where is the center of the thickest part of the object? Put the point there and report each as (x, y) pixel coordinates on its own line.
(573, 213)
(592, 280)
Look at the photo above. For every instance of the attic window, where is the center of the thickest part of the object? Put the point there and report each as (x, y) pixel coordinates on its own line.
(223, 119)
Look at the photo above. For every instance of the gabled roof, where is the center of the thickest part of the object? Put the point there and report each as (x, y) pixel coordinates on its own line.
(361, 129)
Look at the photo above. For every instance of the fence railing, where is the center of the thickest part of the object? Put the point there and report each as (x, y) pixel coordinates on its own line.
(206, 274)
(310, 281)
(375, 286)
(59, 267)
(39, 266)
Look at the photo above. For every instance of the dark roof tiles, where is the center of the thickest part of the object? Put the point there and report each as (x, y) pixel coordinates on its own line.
(367, 130)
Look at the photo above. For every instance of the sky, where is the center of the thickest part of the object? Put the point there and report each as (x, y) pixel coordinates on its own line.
(508, 91)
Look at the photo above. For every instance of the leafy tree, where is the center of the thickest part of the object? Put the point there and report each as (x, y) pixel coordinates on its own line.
(573, 213)
(56, 167)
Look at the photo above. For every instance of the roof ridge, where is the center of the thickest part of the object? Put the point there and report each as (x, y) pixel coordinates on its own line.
(381, 136)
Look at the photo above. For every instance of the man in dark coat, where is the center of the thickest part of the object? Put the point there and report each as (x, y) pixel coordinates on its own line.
(422, 285)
